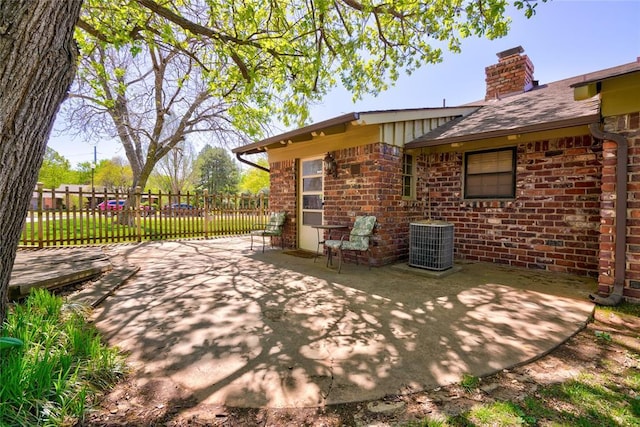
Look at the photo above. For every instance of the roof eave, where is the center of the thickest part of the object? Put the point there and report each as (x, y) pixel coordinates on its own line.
(339, 124)
(603, 78)
(390, 116)
(559, 124)
(304, 132)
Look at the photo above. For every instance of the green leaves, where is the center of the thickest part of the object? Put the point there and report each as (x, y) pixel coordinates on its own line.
(61, 363)
(529, 7)
(276, 58)
(217, 172)
(55, 170)
(8, 342)
(254, 180)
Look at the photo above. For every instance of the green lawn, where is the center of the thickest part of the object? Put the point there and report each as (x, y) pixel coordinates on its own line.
(98, 228)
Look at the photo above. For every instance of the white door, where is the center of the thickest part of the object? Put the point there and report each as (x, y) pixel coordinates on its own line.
(310, 202)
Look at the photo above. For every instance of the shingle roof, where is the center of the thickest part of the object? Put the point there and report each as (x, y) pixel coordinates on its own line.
(545, 107)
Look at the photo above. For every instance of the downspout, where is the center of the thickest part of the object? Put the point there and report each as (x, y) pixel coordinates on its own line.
(615, 297)
(247, 162)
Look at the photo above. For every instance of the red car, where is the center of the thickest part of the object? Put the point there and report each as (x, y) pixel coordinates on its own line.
(112, 205)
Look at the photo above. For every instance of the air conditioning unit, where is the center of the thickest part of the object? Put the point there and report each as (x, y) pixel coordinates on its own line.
(431, 245)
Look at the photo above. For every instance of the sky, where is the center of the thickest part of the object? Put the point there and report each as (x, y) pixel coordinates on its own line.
(565, 38)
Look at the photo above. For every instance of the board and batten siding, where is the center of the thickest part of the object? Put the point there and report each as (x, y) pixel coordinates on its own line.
(400, 133)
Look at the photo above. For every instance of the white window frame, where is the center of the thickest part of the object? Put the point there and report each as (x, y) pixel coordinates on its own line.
(408, 177)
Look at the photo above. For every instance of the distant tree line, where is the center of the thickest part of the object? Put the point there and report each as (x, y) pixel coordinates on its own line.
(181, 170)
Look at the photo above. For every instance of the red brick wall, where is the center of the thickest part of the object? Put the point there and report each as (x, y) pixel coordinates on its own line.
(282, 197)
(369, 183)
(511, 74)
(627, 125)
(553, 223)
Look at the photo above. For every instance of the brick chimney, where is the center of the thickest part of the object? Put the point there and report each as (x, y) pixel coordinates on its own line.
(512, 74)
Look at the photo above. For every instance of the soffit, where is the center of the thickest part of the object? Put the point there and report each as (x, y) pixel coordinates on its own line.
(340, 124)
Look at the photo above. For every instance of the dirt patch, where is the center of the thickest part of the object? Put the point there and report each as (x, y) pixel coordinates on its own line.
(607, 346)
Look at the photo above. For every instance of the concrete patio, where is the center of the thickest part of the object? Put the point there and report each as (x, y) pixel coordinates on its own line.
(227, 325)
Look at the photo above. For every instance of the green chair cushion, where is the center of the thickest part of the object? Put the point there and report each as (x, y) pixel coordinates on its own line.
(359, 236)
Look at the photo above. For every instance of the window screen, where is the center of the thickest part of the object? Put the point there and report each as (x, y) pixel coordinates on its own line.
(490, 174)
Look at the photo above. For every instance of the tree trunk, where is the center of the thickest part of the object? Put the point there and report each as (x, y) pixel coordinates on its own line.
(37, 66)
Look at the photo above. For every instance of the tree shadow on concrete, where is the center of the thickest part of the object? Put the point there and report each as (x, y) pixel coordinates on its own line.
(246, 329)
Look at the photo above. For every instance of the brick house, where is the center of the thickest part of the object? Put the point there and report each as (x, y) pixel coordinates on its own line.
(520, 174)
(49, 200)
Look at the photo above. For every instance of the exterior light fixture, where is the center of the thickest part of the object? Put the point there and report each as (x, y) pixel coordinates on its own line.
(330, 165)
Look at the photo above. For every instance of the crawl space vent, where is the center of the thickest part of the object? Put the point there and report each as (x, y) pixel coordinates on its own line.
(431, 245)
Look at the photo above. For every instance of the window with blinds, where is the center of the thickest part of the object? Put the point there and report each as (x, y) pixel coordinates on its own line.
(490, 174)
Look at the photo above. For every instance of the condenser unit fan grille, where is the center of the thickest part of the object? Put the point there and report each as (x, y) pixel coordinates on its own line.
(431, 245)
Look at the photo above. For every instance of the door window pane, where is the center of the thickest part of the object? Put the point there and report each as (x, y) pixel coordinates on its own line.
(312, 184)
(311, 218)
(312, 167)
(311, 201)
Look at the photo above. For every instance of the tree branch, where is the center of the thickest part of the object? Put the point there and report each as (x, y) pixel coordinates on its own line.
(377, 9)
(91, 30)
(192, 26)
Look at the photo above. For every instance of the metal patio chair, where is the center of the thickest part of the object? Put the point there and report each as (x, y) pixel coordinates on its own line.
(273, 228)
(359, 240)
